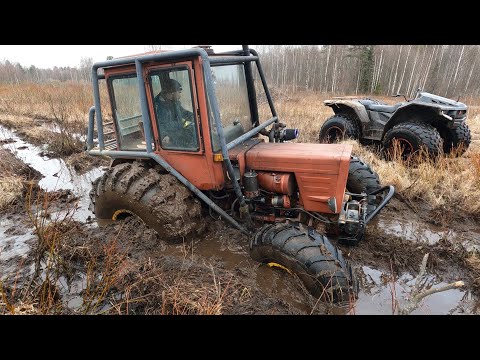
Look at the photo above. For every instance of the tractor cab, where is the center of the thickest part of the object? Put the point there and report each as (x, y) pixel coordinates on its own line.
(181, 107)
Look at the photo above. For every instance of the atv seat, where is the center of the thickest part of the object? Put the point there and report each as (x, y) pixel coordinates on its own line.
(372, 106)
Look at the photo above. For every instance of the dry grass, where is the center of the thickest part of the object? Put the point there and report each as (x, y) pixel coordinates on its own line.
(38, 100)
(11, 189)
(14, 173)
(11, 165)
(11, 120)
(168, 287)
(65, 104)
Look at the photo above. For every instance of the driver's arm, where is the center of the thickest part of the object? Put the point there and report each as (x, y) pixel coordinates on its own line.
(188, 115)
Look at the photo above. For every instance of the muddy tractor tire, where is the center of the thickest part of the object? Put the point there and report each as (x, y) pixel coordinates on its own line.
(460, 138)
(308, 254)
(338, 128)
(160, 200)
(411, 137)
(361, 177)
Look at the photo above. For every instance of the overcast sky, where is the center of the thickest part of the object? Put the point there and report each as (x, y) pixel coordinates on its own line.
(48, 56)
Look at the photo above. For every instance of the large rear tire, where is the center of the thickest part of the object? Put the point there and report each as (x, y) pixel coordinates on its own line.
(161, 201)
(337, 128)
(458, 138)
(411, 136)
(311, 256)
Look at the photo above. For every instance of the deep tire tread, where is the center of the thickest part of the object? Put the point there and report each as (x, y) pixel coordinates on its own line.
(460, 136)
(425, 134)
(316, 261)
(342, 121)
(124, 188)
(361, 177)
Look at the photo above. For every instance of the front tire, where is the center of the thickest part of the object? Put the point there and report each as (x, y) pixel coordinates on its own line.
(337, 128)
(458, 138)
(361, 177)
(161, 201)
(411, 136)
(318, 263)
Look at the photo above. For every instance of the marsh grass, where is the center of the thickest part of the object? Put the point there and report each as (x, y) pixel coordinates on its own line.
(15, 174)
(65, 104)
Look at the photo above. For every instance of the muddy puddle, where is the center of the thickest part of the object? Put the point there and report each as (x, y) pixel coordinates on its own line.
(414, 231)
(15, 243)
(228, 249)
(378, 291)
(425, 233)
(56, 174)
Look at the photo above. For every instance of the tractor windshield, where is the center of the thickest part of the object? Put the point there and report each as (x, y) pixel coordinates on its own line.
(232, 96)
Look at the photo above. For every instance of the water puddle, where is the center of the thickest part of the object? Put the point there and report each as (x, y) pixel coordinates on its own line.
(227, 249)
(375, 296)
(14, 246)
(414, 231)
(57, 175)
(378, 293)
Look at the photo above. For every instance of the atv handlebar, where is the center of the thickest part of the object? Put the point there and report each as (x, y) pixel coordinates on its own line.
(398, 95)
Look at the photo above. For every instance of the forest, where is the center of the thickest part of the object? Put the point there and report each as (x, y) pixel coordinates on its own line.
(446, 70)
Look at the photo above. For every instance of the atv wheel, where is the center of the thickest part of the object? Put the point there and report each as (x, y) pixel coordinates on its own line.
(411, 136)
(318, 263)
(458, 138)
(161, 201)
(337, 128)
(361, 177)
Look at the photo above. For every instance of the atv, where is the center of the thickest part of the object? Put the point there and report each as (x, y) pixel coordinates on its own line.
(428, 120)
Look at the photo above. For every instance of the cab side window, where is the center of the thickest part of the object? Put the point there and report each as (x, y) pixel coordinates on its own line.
(174, 110)
(127, 113)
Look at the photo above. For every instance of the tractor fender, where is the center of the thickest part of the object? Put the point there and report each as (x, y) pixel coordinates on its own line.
(358, 108)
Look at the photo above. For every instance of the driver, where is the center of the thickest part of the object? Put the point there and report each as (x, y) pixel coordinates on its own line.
(176, 122)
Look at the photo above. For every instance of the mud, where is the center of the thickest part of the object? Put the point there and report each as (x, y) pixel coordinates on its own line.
(213, 273)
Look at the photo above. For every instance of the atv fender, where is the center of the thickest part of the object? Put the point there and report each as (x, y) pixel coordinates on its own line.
(359, 109)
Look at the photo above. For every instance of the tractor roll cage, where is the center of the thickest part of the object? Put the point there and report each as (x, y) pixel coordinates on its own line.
(245, 56)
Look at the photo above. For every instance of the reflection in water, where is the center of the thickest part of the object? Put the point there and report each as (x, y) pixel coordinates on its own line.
(378, 294)
(421, 232)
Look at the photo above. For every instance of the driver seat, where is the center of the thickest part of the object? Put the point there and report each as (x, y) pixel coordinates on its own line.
(372, 106)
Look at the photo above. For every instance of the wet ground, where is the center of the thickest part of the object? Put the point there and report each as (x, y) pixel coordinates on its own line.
(386, 262)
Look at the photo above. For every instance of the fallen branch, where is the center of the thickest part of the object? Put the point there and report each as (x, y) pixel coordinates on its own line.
(418, 293)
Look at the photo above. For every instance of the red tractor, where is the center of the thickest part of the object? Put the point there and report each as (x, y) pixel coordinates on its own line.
(191, 137)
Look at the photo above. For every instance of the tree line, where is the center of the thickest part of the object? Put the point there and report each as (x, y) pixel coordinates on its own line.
(446, 70)
(15, 73)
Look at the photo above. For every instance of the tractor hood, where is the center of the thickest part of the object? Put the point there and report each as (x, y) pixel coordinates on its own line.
(321, 170)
